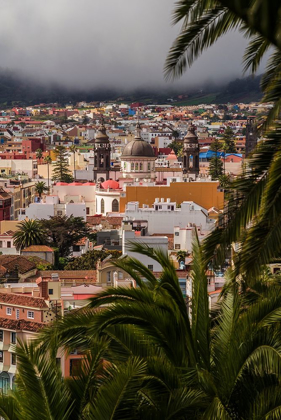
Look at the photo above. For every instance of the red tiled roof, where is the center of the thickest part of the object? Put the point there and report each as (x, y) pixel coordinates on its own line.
(20, 325)
(38, 248)
(8, 233)
(23, 300)
(97, 220)
(82, 275)
(10, 262)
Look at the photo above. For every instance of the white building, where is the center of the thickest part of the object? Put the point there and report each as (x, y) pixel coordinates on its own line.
(7, 246)
(164, 215)
(51, 206)
(157, 242)
(19, 166)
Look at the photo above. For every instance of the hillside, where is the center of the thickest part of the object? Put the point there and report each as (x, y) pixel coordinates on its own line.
(22, 92)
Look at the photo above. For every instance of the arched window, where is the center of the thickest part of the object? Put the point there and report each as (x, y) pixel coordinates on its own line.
(137, 166)
(102, 206)
(132, 166)
(5, 382)
(115, 205)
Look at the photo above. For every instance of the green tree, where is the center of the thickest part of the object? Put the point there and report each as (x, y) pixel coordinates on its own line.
(89, 260)
(40, 188)
(228, 141)
(176, 147)
(196, 367)
(30, 232)
(39, 154)
(215, 167)
(254, 201)
(181, 256)
(63, 232)
(60, 167)
(48, 160)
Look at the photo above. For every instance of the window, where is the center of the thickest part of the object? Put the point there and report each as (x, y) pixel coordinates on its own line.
(132, 166)
(1, 335)
(8, 244)
(8, 311)
(1, 244)
(13, 359)
(115, 205)
(141, 166)
(108, 277)
(137, 166)
(177, 246)
(120, 275)
(177, 234)
(13, 337)
(148, 166)
(75, 367)
(59, 213)
(17, 313)
(58, 361)
(150, 267)
(30, 314)
(76, 248)
(1, 356)
(87, 210)
(51, 291)
(102, 206)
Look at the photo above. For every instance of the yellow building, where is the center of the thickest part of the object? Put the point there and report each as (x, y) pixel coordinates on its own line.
(206, 194)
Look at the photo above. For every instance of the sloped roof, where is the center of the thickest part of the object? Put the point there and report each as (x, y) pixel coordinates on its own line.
(20, 324)
(38, 248)
(23, 300)
(22, 263)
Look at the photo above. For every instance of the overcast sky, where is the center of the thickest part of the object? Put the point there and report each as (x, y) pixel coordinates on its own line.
(103, 43)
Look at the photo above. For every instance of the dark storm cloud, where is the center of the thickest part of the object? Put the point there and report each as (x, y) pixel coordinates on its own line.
(103, 43)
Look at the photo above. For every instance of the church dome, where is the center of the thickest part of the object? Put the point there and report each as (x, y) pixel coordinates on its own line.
(111, 184)
(138, 147)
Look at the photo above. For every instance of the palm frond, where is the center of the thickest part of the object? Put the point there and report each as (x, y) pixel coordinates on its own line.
(197, 36)
(254, 53)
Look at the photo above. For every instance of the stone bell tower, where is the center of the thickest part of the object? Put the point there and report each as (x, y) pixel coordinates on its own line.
(102, 149)
(191, 152)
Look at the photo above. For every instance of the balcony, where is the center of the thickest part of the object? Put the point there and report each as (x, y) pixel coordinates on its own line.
(3, 346)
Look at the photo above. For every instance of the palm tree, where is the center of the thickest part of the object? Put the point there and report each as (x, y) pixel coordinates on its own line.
(40, 188)
(48, 160)
(253, 198)
(30, 232)
(39, 154)
(205, 21)
(193, 366)
(73, 149)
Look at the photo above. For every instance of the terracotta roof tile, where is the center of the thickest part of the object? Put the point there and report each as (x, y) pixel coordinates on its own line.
(82, 275)
(22, 263)
(38, 248)
(20, 324)
(23, 300)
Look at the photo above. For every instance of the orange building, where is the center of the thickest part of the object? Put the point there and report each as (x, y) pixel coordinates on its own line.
(206, 194)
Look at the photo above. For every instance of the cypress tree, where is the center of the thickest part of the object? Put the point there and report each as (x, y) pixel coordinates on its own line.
(60, 168)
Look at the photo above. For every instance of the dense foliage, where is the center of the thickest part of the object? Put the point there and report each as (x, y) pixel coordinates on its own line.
(59, 232)
(89, 260)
